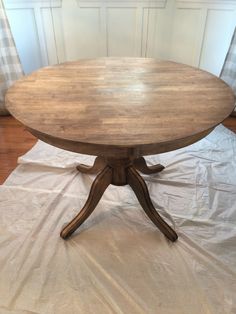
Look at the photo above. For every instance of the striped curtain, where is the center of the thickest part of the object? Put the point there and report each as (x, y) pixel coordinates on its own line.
(228, 73)
(10, 66)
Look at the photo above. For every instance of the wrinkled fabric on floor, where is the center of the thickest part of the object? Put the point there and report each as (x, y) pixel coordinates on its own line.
(118, 261)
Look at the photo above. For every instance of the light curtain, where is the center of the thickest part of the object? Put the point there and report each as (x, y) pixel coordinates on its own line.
(10, 66)
(228, 73)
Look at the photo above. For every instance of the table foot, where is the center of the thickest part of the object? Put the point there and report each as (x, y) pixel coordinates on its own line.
(141, 165)
(99, 165)
(98, 188)
(119, 172)
(140, 189)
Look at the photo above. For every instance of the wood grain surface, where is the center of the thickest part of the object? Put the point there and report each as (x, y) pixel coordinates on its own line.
(14, 142)
(120, 107)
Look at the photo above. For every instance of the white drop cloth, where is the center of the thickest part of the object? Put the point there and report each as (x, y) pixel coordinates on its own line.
(118, 261)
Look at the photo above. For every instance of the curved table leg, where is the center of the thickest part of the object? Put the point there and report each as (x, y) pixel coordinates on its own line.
(99, 186)
(141, 165)
(99, 165)
(140, 189)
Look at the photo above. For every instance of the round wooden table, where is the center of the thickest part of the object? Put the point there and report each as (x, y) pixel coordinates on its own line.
(120, 109)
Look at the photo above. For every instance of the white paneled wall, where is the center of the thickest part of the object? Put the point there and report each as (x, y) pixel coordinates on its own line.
(110, 28)
(33, 27)
(202, 32)
(217, 36)
(25, 34)
(195, 32)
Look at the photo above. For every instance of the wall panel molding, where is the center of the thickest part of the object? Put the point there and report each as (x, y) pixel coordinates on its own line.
(206, 4)
(140, 36)
(225, 9)
(37, 6)
(123, 3)
(196, 32)
(21, 4)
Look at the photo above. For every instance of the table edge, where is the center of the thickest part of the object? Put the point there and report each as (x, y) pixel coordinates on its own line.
(115, 151)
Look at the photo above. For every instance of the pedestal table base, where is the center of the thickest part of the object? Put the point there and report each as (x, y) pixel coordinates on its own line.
(119, 172)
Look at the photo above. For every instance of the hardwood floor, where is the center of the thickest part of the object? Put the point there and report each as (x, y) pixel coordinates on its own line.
(15, 141)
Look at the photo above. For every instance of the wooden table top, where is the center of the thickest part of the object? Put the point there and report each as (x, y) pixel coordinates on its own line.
(120, 106)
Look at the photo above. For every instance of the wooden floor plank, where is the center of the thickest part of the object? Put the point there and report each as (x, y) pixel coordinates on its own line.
(16, 141)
